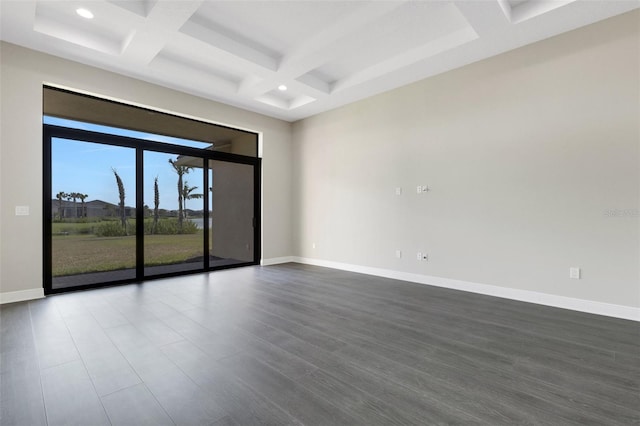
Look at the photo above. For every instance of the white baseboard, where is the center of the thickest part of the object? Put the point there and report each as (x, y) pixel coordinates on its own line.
(276, 260)
(22, 295)
(589, 306)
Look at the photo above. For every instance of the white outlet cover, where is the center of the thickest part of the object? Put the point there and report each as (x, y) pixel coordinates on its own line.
(398, 190)
(398, 254)
(574, 273)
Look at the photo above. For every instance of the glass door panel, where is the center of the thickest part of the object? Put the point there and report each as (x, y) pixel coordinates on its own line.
(173, 213)
(93, 227)
(231, 239)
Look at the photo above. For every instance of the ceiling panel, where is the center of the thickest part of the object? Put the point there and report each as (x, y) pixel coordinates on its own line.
(61, 21)
(196, 61)
(411, 25)
(277, 26)
(231, 40)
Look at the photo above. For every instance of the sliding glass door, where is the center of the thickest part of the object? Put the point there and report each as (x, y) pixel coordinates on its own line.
(232, 219)
(92, 218)
(174, 213)
(120, 209)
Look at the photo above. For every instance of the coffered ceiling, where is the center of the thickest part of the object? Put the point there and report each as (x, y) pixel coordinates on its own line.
(326, 53)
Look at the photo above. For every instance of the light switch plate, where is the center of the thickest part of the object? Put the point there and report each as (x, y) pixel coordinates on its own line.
(22, 210)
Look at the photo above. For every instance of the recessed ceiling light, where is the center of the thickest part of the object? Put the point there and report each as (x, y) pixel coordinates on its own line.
(282, 87)
(85, 13)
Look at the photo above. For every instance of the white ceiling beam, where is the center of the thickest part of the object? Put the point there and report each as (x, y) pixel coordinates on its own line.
(163, 20)
(530, 9)
(485, 17)
(171, 15)
(315, 83)
(302, 87)
(139, 7)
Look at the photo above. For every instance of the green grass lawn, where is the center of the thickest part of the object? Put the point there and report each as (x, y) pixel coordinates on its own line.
(77, 254)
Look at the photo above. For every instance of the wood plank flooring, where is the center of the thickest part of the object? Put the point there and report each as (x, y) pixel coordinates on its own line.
(301, 345)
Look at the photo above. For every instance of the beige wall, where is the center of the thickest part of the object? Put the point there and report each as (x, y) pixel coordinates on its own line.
(23, 73)
(526, 154)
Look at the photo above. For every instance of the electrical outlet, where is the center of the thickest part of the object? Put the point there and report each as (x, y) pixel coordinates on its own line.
(419, 189)
(398, 254)
(398, 190)
(419, 256)
(313, 245)
(574, 273)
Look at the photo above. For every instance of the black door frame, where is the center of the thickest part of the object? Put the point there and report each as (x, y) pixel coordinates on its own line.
(140, 145)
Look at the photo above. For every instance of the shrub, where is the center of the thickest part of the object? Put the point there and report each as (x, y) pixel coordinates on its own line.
(109, 229)
(170, 227)
(189, 227)
(166, 226)
(86, 230)
(72, 228)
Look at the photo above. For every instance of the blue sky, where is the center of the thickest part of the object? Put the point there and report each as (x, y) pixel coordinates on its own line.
(86, 168)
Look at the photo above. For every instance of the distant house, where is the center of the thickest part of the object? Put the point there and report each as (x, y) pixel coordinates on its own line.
(93, 208)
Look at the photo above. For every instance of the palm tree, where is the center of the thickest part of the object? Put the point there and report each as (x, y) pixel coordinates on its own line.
(156, 205)
(83, 211)
(187, 195)
(60, 196)
(75, 196)
(180, 171)
(72, 196)
(123, 214)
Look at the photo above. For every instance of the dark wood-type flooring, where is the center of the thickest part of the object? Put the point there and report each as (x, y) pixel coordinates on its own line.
(294, 344)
